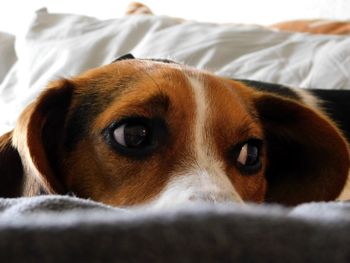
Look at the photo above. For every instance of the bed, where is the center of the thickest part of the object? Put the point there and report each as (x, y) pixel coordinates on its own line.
(66, 228)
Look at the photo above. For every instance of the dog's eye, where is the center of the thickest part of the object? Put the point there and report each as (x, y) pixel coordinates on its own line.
(136, 137)
(131, 135)
(248, 160)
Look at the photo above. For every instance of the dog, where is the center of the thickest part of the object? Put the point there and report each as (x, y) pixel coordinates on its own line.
(143, 131)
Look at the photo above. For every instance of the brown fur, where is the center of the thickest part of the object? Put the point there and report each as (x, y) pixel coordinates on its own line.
(60, 144)
(120, 180)
(234, 121)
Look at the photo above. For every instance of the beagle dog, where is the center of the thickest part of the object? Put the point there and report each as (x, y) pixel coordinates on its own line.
(155, 132)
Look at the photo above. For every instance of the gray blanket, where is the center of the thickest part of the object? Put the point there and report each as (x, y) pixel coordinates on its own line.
(68, 229)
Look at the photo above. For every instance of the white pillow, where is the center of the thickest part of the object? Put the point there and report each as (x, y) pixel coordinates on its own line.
(7, 53)
(61, 45)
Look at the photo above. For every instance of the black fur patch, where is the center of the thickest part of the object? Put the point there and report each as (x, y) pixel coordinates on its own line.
(124, 57)
(336, 103)
(131, 56)
(163, 60)
(89, 105)
(78, 124)
(271, 88)
(11, 171)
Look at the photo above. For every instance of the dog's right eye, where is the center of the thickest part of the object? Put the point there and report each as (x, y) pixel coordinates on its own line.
(247, 156)
(135, 136)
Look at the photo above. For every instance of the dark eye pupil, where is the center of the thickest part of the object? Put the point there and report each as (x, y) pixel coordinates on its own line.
(248, 159)
(135, 135)
(252, 155)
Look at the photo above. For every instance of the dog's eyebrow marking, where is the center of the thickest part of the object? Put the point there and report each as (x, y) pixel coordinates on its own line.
(277, 89)
(157, 103)
(90, 104)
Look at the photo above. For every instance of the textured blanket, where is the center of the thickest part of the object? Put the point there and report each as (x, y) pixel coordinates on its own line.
(67, 229)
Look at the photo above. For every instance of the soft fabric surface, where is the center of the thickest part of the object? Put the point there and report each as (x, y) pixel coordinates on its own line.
(61, 45)
(67, 229)
(7, 53)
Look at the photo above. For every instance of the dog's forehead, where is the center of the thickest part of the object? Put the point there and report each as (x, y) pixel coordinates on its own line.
(141, 79)
(143, 70)
(141, 82)
(136, 69)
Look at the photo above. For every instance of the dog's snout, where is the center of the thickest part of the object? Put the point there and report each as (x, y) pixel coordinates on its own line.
(197, 186)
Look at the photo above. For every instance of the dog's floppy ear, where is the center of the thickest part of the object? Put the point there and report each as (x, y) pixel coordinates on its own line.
(37, 137)
(308, 158)
(11, 170)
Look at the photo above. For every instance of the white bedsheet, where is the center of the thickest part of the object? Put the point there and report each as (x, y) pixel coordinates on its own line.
(7, 53)
(61, 45)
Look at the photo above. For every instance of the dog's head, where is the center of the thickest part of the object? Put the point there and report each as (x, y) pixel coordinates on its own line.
(142, 131)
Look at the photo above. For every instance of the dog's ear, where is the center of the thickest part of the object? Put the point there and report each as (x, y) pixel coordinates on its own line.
(11, 170)
(308, 158)
(37, 137)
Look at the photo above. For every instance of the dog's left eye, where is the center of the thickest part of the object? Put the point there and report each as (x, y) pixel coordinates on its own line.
(132, 135)
(136, 137)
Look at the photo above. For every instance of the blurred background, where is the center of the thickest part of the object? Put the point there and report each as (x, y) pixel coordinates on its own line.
(16, 14)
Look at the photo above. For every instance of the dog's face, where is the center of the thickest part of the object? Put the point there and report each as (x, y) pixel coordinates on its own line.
(165, 134)
(140, 131)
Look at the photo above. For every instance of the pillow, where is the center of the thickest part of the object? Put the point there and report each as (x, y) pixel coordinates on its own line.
(62, 45)
(7, 53)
